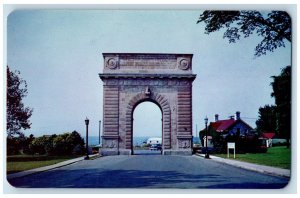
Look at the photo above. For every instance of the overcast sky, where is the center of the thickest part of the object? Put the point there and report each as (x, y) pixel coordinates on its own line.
(59, 54)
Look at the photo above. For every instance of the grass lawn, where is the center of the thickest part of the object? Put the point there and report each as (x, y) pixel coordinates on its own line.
(275, 156)
(17, 163)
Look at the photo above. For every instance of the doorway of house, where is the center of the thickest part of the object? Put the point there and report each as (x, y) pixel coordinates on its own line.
(147, 129)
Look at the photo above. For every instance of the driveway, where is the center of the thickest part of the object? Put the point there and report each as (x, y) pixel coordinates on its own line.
(150, 171)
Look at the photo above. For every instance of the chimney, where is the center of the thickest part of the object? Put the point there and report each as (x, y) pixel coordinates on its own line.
(238, 115)
(216, 117)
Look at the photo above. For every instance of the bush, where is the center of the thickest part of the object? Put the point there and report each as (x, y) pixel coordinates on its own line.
(78, 150)
(243, 144)
(64, 144)
(18, 145)
(40, 145)
(13, 146)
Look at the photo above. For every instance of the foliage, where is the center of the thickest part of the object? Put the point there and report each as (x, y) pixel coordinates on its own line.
(278, 118)
(14, 145)
(17, 114)
(18, 145)
(274, 27)
(42, 145)
(63, 144)
(282, 93)
(218, 141)
(267, 119)
(249, 143)
(75, 140)
(243, 144)
(39, 145)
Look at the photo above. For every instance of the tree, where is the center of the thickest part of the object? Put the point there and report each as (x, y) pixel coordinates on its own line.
(63, 144)
(19, 145)
(282, 93)
(39, 145)
(75, 143)
(267, 119)
(17, 114)
(274, 27)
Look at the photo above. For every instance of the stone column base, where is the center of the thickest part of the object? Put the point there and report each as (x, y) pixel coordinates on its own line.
(125, 152)
(177, 152)
(106, 152)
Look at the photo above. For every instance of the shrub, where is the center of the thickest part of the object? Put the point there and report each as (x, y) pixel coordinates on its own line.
(64, 144)
(13, 146)
(243, 144)
(40, 145)
(18, 145)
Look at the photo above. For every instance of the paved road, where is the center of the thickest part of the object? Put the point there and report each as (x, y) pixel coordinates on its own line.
(149, 171)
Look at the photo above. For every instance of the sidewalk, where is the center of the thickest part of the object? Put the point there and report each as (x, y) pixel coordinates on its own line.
(45, 168)
(253, 167)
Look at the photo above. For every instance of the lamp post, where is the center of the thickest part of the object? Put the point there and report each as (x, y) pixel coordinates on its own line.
(99, 131)
(87, 141)
(206, 150)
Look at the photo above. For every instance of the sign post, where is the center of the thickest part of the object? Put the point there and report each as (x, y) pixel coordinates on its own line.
(231, 145)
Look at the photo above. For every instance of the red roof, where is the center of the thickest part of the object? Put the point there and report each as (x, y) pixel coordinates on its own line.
(268, 135)
(222, 125)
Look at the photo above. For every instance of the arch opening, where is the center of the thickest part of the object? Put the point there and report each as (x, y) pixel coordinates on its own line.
(147, 128)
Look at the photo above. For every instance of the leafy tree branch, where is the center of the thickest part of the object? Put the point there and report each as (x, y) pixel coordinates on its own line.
(274, 27)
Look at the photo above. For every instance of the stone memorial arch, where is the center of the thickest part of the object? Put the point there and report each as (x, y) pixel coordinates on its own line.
(132, 78)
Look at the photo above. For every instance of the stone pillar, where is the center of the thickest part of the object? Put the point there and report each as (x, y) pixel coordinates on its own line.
(110, 138)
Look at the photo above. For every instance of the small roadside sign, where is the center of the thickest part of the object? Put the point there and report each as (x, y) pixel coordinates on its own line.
(231, 145)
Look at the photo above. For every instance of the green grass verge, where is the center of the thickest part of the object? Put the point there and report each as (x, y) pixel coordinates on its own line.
(276, 156)
(19, 163)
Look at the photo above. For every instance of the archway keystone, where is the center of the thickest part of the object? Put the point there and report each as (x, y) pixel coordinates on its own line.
(132, 78)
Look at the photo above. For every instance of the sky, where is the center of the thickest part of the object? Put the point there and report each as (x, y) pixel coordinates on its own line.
(59, 54)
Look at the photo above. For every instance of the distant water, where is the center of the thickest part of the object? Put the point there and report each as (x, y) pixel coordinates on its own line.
(137, 141)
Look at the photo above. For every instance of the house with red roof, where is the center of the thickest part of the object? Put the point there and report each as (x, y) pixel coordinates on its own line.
(232, 127)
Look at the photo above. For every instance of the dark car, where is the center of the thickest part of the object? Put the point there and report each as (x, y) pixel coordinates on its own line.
(155, 147)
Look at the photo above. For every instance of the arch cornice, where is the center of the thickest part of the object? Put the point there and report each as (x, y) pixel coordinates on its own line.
(152, 76)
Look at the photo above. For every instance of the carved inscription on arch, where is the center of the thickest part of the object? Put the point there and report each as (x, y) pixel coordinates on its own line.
(145, 82)
(147, 61)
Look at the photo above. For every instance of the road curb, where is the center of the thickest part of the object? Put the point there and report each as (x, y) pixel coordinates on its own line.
(46, 168)
(253, 167)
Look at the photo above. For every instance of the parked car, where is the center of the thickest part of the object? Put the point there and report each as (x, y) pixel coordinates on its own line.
(155, 147)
